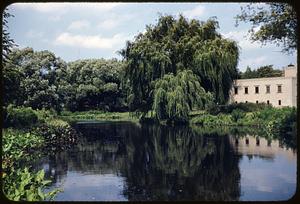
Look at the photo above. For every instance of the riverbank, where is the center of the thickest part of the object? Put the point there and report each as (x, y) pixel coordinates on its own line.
(271, 119)
(95, 115)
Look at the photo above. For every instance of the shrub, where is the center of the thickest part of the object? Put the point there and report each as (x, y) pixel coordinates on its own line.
(246, 107)
(45, 115)
(16, 145)
(19, 117)
(58, 135)
(237, 114)
(22, 185)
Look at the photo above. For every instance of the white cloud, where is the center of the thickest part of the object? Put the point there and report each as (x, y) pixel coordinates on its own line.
(81, 24)
(34, 34)
(195, 12)
(41, 7)
(55, 7)
(108, 24)
(113, 21)
(91, 41)
(242, 38)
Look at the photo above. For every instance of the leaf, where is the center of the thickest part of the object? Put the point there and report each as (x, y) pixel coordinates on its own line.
(40, 176)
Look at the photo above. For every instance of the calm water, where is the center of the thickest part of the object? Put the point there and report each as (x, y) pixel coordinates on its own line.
(125, 161)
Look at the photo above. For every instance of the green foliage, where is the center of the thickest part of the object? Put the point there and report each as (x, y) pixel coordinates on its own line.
(19, 116)
(175, 96)
(237, 114)
(212, 120)
(16, 145)
(264, 71)
(95, 84)
(273, 120)
(38, 76)
(96, 115)
(7, 42)
(276, 23)
(22, 185)
(174, 45)
(58, 135)
(19, 183)
(246, 107)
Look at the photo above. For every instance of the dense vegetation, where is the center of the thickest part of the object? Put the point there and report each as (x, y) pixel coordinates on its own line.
(27, 135)
(273, 120)
(174, 45)
(42, 80)
(261, 72)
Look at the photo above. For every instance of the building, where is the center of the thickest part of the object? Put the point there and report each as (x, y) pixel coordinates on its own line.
(276, 91)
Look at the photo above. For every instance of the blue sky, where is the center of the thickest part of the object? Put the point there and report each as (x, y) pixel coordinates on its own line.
(98, 30)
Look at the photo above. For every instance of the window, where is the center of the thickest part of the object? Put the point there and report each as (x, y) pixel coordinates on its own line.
(256, 102)
(267, 88)
(257, 141)
(279, 88)
(279, 102)
(235, 90)
(256, 89)
(246, 90)
(268, 102)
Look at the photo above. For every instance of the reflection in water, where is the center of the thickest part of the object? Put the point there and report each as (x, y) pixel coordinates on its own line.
(124, 161)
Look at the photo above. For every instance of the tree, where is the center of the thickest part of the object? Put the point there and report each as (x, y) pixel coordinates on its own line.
(39, 75)
(175, 96)
(274, 23)
(173, 45)
(7, 42)
(95, 84)
(261, 72)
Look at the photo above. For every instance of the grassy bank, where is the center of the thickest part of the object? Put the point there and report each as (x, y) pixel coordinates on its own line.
(274, 120)
(98, 116)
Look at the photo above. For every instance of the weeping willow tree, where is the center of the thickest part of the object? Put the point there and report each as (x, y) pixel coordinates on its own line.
(175, 96)
(174, 45)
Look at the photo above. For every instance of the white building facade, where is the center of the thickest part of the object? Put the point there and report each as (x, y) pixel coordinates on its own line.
(276, 91)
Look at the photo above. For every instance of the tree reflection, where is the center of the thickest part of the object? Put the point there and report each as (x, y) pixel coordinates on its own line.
(157, 162)
(177, 163)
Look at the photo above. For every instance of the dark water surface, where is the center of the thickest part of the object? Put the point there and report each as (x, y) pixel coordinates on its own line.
(125, 161)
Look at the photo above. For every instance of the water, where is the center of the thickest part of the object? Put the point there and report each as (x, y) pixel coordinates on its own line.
(125, 161)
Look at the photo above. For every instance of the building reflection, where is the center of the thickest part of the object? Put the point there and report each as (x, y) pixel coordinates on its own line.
(251, 145)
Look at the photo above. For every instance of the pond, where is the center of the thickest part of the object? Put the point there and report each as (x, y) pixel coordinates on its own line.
(123, 161)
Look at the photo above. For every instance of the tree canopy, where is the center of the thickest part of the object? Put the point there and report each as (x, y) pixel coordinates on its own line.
(7, 42)
(261, 72)
(274, 23)
(175, 96)
(174, 45)
(39, 79)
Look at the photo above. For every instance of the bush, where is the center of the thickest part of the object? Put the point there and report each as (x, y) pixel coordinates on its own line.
(246, 107)
(58, 135)
(237, 114)
(17, 144)
(45, 115)
(21, 184)
(19, 117)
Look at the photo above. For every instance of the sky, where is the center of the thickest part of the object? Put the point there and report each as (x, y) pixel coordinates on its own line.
(98, 30)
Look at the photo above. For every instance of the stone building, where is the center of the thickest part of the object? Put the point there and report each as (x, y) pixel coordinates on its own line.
(277, 91)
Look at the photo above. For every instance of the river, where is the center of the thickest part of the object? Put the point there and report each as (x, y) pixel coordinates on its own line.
(122, 161)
